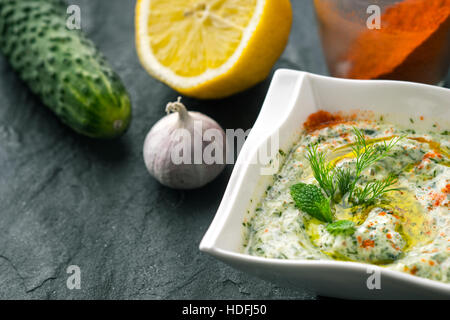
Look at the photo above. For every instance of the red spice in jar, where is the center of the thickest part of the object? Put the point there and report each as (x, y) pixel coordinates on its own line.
(412, 44)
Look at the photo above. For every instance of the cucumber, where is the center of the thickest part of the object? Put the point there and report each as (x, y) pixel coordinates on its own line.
(63, 67)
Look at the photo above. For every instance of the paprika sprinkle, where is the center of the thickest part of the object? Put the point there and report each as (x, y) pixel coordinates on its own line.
(412, 44)
(321, 119)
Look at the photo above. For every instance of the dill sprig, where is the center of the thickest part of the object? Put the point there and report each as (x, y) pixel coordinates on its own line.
(368, 154)
(334, 179)
(374, 189)
(321, 170)
(343, 179)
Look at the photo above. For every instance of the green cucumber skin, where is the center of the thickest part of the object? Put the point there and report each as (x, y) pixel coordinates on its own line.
(63, 67)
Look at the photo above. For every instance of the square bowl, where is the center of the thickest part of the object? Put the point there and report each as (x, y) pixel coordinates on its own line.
(291, 98)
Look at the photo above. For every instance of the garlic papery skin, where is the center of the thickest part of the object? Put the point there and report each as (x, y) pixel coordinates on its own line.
(175, 148)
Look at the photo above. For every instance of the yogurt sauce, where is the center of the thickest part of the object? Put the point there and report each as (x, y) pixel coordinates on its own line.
(406, 230)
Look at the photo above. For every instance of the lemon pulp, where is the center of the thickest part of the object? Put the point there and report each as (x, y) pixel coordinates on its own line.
(212, 31)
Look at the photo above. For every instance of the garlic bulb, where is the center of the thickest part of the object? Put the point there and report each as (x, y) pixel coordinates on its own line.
(185, 150)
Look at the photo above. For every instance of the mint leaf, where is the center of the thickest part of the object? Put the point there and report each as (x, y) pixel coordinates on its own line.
(309, 198)
(344, 227)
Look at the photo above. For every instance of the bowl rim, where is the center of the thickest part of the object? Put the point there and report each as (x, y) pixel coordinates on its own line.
(208, 242)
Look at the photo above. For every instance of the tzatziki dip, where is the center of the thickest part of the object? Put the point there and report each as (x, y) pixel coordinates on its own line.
(360, 190)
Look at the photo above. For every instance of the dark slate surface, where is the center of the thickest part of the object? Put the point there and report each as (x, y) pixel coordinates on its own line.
(68, 200)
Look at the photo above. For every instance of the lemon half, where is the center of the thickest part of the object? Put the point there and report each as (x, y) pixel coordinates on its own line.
(211, 48)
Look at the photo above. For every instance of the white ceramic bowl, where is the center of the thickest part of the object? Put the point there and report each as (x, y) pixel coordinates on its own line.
(292, 96)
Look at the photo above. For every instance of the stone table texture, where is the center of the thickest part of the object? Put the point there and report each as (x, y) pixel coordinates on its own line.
(69, 200)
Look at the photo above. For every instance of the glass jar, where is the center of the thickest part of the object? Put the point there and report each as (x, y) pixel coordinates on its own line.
(385, 39)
